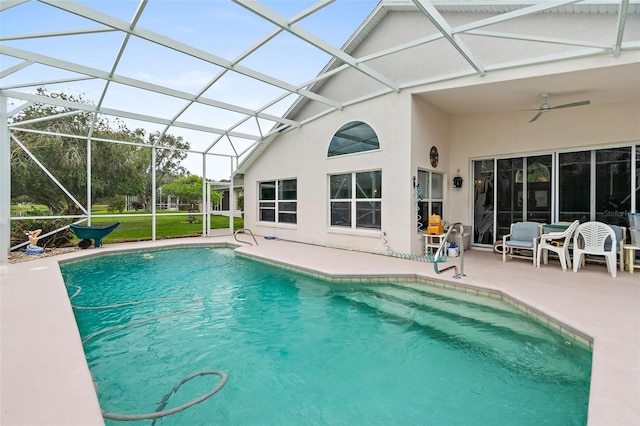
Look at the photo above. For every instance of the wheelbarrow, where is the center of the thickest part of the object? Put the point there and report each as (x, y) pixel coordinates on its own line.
(88, 233)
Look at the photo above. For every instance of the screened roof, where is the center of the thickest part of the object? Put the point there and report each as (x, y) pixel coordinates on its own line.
(228, 75)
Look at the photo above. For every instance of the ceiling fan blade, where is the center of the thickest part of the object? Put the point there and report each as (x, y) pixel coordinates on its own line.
(574, 104)
(536, 117)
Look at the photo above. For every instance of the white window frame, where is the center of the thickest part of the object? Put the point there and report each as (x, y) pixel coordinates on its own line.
(277, 203)
(353, 201)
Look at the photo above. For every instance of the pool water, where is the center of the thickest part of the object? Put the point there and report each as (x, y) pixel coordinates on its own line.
(299, 350)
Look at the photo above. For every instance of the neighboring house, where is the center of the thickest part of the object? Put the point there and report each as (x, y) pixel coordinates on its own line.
(348, 178)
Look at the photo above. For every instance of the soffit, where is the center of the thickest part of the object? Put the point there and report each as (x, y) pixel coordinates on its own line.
(601, 86)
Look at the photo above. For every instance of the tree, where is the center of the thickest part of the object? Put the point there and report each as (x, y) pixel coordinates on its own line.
(168, 166)
(116, 168)
(189, 190)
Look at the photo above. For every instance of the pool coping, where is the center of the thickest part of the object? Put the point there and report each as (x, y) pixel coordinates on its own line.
(564, 329)
(27, 398)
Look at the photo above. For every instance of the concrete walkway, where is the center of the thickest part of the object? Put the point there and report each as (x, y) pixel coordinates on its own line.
(45, 379)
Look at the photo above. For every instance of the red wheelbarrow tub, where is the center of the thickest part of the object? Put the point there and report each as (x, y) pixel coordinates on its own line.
(88, 233)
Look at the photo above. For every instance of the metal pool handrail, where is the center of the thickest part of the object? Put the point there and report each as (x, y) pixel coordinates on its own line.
(460, 274)
(244, 231)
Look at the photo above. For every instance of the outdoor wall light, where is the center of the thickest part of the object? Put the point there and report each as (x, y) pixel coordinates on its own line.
(457, 181)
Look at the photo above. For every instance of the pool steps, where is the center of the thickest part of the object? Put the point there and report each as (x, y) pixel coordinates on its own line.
(491, 311)
(470, 323)
(411, 280)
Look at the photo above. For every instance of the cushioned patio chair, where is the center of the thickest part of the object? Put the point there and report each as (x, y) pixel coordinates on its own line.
(621, 236)
(557, 242)
(591, 238)
(522, 236)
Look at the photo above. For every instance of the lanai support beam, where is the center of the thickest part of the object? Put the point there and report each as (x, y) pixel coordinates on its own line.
(205, 197)
(622, 19)
(154, 190)
(441, 24)
(5, 185)
(232, 198)
(271, 16)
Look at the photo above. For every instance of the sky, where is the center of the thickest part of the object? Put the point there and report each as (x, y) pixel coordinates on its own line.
(219, 27)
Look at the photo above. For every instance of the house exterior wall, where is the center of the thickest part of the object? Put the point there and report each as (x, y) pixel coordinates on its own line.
(429, 127)
(408, 125)
(302, 154)
(502, 134)
(508, 133)
(440, 58)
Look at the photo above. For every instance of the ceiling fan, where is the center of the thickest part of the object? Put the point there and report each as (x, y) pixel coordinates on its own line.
(545, 107)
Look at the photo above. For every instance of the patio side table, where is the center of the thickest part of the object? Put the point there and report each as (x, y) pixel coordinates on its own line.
(432, 242)
(629, 253)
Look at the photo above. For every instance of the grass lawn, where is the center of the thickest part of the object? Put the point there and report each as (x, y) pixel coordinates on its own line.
(29, 210)
(138, 228)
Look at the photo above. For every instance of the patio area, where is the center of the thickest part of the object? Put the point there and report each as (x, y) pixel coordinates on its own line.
(46, 381)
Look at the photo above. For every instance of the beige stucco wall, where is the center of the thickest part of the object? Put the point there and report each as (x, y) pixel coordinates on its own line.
(476, 136)
(429, 127)
(439, 58)
(408, 125)
(302, 154)
(407, 128)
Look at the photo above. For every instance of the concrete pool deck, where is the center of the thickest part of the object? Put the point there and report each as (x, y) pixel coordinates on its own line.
(45, 380)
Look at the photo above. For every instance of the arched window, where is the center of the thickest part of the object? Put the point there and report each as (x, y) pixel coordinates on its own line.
(353, 137)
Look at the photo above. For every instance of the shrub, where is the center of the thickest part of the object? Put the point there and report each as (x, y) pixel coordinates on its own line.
(117, 203)
(59, 239)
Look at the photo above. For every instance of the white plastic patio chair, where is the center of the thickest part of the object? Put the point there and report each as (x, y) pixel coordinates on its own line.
(590, 238)
(557, 242)
(522, 236)
(621, 236)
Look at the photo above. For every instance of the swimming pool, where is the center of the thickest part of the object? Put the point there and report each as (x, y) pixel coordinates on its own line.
(298, 350)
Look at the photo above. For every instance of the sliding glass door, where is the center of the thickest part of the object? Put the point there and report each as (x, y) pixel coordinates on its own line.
(483, 205)
(523, 196)
(613, 186)
(600, 185)
(574, 183)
